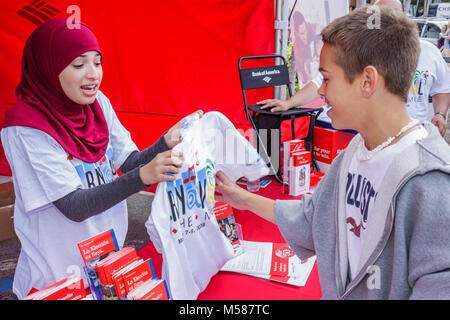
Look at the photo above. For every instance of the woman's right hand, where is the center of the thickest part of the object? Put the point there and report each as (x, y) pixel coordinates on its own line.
(157, 170)
(173, 136)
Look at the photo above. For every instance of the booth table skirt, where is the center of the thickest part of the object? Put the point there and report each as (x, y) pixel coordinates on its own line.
(235, 286)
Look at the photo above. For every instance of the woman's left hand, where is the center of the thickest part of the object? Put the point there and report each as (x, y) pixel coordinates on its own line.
(173, 136)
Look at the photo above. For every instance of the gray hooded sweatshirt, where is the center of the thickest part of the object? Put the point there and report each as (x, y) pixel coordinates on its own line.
(407, 255)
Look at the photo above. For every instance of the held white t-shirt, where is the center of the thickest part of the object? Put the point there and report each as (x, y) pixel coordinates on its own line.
(431, 77)
(182, 224)
(44, 172)
(363, 181)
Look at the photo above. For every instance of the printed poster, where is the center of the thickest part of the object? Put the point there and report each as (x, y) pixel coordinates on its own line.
(308, 19)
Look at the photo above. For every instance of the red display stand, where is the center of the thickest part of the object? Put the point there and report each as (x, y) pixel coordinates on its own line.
(328, 143)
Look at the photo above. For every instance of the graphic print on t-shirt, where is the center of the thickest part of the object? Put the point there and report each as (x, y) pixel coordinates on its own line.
(418, 88)
(191, 199)
(95, 174)
(360, 195)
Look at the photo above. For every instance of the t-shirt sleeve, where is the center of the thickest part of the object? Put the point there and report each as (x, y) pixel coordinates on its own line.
(40, 166)
(441, 82)
(233, 154)
(120, 137)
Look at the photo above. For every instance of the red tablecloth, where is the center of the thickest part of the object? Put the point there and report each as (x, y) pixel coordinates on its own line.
(235, 286)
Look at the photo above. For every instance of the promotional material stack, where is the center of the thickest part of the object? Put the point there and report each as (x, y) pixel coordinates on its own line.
(296, 167)
(118, 273)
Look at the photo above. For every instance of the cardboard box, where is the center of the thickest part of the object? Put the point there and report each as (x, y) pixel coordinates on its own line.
(7, 198)
(7, 195)
(328, 143)
(7, 223)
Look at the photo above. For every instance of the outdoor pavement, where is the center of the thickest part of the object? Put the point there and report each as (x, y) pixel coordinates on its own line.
(138, 211)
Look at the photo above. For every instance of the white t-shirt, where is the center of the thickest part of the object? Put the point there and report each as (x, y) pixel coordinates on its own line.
(182, 224)
(431, 77)
(44, 172)
(363, 181)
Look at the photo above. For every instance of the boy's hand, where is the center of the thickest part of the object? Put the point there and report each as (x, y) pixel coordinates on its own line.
(156, 170)
(230, 192)
(173, 136)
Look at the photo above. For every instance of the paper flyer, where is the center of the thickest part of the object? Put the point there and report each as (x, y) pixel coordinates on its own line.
(227, 224)
(272, 261)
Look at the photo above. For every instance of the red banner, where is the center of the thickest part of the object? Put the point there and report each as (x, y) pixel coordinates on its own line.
(160, 58)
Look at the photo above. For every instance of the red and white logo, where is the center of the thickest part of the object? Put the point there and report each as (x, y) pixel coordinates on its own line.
(284, 252)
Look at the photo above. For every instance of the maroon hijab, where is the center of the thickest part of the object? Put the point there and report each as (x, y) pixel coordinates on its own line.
(41, 102)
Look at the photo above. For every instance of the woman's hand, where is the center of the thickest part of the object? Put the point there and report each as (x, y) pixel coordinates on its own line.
(157, 170)
(173, 136)
(230, 192)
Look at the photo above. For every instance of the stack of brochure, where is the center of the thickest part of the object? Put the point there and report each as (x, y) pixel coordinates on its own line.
(133, 276)
(113, 273)
(272, 261)
(111, 265)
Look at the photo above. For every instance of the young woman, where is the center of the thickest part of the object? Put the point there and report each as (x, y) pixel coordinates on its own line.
(64, 144)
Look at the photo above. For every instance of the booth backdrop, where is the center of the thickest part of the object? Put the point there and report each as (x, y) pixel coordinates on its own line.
(162, 59)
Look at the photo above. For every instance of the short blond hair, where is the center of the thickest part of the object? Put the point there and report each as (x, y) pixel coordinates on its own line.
(379, 36)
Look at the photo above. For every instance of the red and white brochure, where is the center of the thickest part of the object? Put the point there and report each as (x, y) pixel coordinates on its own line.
(113, 263)
(299, 281)
(138, 275)
(299, 173)
(97, 246)
(273, 261)
(119, 283)
(153, 289)
(290, 147)
(227, 224)
(71, 288)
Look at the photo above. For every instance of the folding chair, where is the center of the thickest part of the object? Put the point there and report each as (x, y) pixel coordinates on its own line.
(272, 76)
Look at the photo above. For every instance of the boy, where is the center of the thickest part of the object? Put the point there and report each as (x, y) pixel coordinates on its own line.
(378, 221)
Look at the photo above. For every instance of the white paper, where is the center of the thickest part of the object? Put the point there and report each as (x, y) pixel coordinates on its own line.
(256, 260)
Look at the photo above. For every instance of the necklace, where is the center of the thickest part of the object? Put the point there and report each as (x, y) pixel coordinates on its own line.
(383, 145)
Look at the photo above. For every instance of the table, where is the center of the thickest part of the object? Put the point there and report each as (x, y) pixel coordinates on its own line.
(235, 286)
